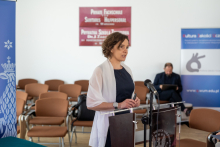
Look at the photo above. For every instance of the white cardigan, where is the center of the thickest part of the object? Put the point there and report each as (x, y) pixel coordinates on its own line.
(102, 88)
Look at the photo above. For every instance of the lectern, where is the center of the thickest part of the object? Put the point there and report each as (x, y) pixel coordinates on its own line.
(122, 130)
(165, 135)
(163, 132)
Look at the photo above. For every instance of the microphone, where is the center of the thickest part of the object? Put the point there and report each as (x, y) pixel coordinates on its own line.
(150, 86)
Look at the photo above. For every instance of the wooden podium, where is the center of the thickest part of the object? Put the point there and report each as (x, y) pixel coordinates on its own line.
(122, 129)
(166, 133)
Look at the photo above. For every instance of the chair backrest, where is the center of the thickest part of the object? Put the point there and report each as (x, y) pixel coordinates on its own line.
(22, 95)
(53, 94)
(54, 84)
(84, 84)
(141, 93)
(51, 107)
(139, 83)
(19, 106)
(205, 119)
(72, 90)
(23, 82)
(35, 89)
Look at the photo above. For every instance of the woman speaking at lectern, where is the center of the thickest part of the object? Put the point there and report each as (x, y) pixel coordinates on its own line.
(110, 87)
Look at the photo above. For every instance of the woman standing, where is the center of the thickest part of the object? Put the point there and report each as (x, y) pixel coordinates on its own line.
(110, 87)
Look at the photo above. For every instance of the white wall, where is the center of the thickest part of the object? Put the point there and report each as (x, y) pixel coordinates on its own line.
(47, 36)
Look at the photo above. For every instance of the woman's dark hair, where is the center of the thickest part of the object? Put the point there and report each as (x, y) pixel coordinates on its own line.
(110, 41)
(168, 64)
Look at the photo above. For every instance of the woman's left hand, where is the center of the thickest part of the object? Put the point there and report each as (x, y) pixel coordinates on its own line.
(137, 102)
(218, 134)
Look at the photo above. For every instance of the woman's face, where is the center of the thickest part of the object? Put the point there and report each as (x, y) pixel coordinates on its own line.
(120, 53)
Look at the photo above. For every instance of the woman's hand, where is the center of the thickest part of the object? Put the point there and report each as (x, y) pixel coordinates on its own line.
(128, 103)
(218, 134)
(137, 102)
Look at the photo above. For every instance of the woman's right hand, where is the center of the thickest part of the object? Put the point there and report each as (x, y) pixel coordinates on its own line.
(128, 103)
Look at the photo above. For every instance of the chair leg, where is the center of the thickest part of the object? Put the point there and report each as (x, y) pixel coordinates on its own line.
(82, 129)
(38, 139)
(75, 135)
(62, 142)
(71, 117)
(72, 135)
(69, 138)
(30, 139)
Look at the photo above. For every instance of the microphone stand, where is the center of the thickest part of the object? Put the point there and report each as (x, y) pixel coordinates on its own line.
(148, 121)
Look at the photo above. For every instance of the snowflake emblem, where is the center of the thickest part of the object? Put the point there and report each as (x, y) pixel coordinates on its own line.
(8, 44)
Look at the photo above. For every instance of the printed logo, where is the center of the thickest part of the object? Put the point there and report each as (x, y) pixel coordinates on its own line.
(194, 59)
(8, 101)
(8, 44)
(163, 139)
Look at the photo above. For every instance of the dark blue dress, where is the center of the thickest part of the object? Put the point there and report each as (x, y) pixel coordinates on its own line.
(124, 90)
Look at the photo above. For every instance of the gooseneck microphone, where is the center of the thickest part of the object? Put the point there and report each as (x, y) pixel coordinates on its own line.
(150, 86)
